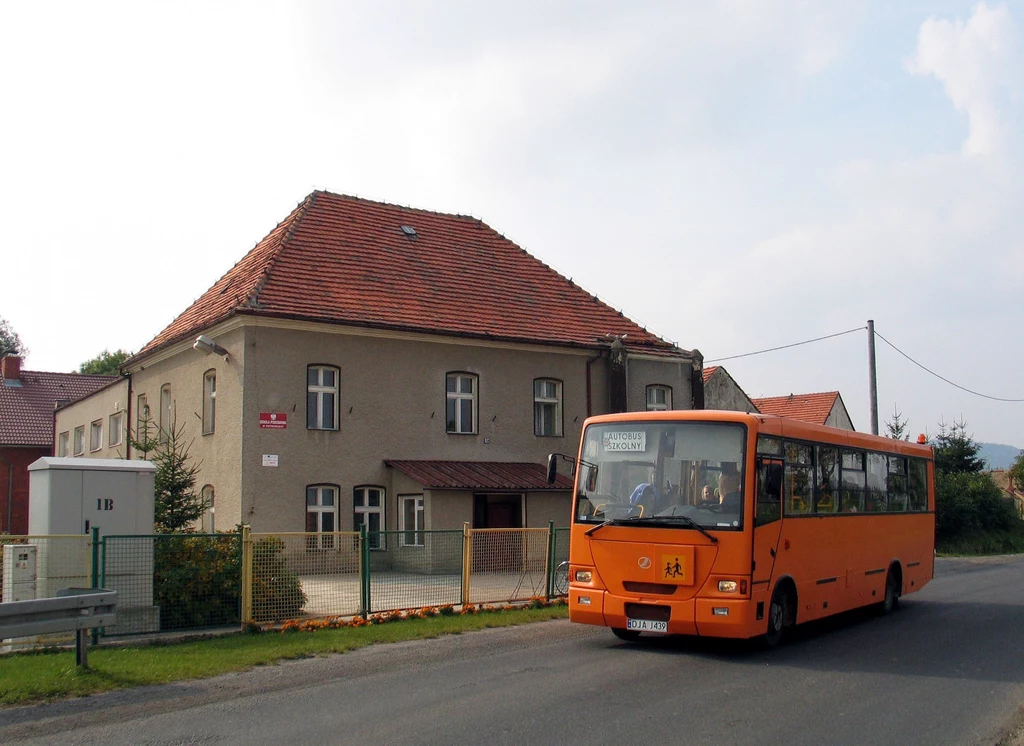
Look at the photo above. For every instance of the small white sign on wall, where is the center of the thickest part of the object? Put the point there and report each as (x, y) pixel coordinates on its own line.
(270, 459)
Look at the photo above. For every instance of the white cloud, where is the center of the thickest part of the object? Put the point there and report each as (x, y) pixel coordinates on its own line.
(979, 64)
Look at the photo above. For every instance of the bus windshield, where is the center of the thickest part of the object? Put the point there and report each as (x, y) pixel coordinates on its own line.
(662, 473)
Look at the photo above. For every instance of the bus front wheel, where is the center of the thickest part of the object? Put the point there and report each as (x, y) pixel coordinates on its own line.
(777, 612)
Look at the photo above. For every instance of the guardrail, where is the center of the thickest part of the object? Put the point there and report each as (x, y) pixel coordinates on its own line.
(74, 610)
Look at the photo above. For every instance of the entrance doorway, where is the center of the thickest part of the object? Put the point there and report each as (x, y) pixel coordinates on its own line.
(497, 551)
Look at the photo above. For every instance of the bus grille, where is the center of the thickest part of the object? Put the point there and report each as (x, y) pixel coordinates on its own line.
(661, 589)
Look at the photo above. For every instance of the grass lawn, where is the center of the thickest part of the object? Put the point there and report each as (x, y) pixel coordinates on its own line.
(52, 674)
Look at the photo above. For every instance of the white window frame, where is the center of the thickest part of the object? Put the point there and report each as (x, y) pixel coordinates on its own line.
(543, 403)
(115, 429)
(209, 401)
(317, 393)
(653, 405)
(207, 494)
(362, 510)
(166, 406)
(457, 400)
(317, 509)
(142, 416)
(416, 531)
(63, 441)
(95, 435)
(79, 441)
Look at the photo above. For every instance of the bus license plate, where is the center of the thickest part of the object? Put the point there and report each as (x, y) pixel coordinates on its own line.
(646, 625)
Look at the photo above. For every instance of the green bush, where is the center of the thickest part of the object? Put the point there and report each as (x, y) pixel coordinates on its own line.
(197, 580)
(276, 589)
(967, 503)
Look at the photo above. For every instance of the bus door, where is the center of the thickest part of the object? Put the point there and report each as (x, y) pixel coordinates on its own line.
(767, 522)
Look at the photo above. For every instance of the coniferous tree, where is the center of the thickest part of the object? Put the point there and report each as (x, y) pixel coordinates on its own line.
(177, 505)
(956, 452)
(896, 428)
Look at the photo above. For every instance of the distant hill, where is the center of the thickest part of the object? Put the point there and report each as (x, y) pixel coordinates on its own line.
(997, 455)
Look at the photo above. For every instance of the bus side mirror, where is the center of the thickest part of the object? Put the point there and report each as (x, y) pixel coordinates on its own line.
(552, 467)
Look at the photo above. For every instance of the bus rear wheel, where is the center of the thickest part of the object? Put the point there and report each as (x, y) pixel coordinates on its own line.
(892, 592)
(629, 635)
(777, 612)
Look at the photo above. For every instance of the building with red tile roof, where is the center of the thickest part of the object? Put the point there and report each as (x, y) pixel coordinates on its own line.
(360, 344)
(722, 392)
(825, 408)
(28, 399)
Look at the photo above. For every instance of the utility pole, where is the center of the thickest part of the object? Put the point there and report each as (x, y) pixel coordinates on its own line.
(872, 383)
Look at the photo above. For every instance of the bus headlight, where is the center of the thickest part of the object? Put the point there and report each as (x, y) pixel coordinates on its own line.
(584, 576)
(727, 586)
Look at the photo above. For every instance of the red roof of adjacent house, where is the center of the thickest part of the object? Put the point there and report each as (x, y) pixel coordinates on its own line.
(806, 407)
(708, 372)
(480, 475)
(26, 410)
(347, 260)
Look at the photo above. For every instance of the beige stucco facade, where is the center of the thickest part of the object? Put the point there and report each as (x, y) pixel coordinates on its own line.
(107, 408)
(392, 405)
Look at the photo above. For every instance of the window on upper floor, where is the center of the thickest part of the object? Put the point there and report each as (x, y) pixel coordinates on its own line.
(209, 401)
(659, 398)
(166, 421)
(95, 435)
(322, 384)
(461, 406)
(79, 440)
(547, 407)
(142, 419)
(115, 429)
(368, 507)
(321, 515)
(62, 443)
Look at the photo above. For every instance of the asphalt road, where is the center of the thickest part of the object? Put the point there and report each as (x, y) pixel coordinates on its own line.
(947, 668)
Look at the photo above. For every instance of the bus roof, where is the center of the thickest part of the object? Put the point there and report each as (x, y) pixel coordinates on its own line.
(770, 424)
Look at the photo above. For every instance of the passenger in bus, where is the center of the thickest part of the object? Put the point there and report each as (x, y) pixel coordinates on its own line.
(729, 490)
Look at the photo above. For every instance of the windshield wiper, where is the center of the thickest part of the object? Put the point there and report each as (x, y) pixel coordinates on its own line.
(685, 519)
(612, 522)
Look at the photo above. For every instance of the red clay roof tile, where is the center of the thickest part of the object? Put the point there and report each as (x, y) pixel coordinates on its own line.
(708, 372)
(806, 407)
(346, 260)
(26, 411)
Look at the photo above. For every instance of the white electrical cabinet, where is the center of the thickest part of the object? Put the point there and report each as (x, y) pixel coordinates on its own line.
(20, 572)
(69, 496)
(74, 495)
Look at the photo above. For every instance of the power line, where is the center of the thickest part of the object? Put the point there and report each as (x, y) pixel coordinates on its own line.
(955, 385)
(783, 347)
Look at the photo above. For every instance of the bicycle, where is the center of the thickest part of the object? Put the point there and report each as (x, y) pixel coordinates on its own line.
(560, 579)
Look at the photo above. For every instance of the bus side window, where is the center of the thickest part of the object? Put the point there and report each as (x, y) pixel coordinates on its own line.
(769, 492)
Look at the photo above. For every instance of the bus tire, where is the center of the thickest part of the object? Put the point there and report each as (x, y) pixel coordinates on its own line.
(778, 611)
(893, 587)
(629, 635)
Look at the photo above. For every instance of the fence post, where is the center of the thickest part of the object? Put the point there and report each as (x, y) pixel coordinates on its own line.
(95, 583)
(551, 559)
(364, 571)
(467, 555)
(246, 540)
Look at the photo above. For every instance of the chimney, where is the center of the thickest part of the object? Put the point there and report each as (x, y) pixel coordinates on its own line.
(10, 369)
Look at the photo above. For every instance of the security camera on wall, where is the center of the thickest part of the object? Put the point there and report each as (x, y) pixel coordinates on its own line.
(207, 345)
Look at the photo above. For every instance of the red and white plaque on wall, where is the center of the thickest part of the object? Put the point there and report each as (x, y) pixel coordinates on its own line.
(273, 420)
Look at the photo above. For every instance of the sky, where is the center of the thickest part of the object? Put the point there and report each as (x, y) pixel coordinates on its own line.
(735, 175)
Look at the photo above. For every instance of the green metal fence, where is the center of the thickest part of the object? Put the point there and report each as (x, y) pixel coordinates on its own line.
(177, 582)
(172, 582)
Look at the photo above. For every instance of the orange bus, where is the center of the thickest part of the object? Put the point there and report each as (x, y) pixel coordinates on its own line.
(726, 524)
